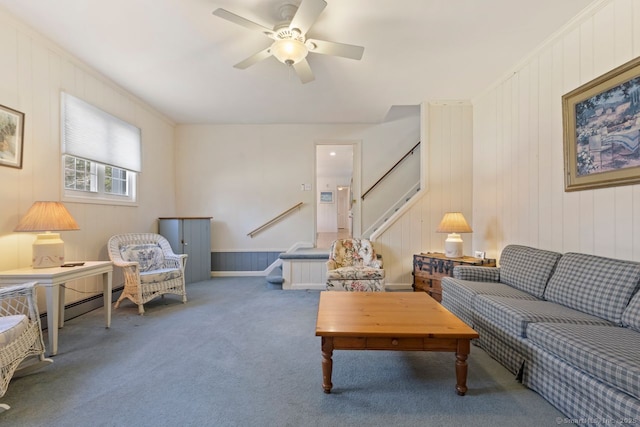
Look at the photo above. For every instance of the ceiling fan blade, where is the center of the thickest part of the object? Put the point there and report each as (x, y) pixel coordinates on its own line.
(236, 19)
(303, 70)
(307, 14)
(336, 49)
(263, 54)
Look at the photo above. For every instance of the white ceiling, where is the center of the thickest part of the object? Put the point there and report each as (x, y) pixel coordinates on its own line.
(338, 164)
(178, 57)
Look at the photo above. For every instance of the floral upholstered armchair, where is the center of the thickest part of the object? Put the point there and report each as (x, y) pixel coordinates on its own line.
(354, 266)
(150, 267)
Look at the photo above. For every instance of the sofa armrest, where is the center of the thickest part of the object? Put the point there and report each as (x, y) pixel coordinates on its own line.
(476, 273)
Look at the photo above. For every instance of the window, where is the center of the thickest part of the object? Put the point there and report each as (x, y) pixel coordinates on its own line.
(100, 154)
(98, 181)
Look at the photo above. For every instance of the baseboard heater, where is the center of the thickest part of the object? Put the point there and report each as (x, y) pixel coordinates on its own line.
(83, 306)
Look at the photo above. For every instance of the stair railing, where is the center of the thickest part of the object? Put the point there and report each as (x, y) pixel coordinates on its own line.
(409, 153)
(274, 220)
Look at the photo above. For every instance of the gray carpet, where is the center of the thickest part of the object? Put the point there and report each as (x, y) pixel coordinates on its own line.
(240, 354)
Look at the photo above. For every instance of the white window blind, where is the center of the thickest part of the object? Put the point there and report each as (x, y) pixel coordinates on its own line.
(93, 134)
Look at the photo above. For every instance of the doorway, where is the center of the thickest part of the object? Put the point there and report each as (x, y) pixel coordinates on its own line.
(334, 184)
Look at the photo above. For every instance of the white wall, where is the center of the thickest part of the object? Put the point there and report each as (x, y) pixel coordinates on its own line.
(245, 175)
(33, 71)
(518, 167)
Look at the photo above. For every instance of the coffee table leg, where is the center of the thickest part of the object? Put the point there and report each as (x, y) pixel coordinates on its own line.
(327, 363)
(461, 366)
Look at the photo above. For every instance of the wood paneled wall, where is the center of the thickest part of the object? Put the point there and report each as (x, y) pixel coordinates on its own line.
(518, 169)
(33, 71)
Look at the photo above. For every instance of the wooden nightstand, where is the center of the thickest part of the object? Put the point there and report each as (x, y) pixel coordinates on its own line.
(429, 268)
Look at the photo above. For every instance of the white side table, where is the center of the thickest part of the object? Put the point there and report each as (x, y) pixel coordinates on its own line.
(52, 279)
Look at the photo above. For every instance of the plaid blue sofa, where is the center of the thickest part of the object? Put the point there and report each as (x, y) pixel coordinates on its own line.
(568, 327)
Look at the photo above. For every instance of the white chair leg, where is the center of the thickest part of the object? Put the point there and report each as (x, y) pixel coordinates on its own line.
(4, 407)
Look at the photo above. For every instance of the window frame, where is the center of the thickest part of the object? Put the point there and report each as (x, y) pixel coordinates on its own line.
(103, 140)
(100, 196)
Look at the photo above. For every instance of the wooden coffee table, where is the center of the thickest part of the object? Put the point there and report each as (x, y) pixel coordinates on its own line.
(405, 321)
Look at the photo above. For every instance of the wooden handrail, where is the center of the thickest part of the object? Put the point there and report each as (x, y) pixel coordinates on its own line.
(409, 153)
(274, 220)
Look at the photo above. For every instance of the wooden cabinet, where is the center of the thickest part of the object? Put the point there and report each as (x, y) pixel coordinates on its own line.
(429, 269)
(191, 236)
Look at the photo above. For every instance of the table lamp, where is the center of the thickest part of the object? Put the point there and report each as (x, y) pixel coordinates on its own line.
(48, 248)
(453, 223)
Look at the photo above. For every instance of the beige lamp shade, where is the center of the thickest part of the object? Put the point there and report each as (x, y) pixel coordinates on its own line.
(454, 224)
(48, 248)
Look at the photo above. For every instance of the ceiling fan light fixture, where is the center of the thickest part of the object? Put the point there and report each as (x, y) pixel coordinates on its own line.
(289, 51)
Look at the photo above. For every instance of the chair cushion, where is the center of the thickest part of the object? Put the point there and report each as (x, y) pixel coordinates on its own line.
(149, 256)
(376, 285)
(593, 284)
(589, 348)
(355, 273)
(354, 252)
(527, 269)
(158, 276)
(11, 327)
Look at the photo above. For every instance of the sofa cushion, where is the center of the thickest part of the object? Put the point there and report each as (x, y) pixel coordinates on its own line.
(589, 347)
(149, 256)
(458, 295)
(514, 315)
(631, 314)
(11, 327)
(526, 268)
(595, 285)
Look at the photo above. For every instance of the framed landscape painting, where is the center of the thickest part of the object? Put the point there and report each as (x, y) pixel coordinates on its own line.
(11, 137)
(601, 122)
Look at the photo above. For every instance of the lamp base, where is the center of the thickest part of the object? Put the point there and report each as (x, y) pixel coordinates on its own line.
(48, 251)
(453, 246)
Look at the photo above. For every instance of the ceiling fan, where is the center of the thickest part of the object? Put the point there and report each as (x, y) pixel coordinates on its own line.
(290, 44)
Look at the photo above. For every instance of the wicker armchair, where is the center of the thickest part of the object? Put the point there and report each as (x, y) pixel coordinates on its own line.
(21, 343)
(354, 266)
(151, 269)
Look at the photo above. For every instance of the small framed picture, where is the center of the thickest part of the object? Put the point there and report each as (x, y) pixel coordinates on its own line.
(479, 254)
(11, 135)
(326, 197)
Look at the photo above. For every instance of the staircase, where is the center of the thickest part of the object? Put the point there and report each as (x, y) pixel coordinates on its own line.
(275, 279)
(393, 209)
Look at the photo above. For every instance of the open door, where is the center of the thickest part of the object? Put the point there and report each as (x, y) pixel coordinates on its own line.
(334, 186)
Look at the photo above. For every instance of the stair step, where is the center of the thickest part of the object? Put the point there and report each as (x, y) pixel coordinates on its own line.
(275, 279)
